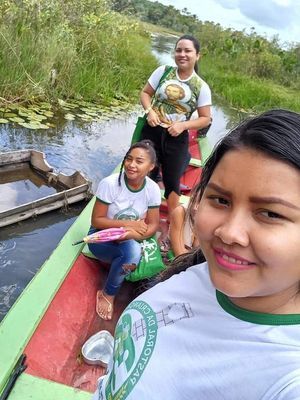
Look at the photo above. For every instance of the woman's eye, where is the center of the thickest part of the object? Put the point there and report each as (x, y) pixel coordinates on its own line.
(219, 200)
(271, 215)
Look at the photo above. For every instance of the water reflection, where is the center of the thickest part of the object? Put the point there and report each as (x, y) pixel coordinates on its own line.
(25, 247)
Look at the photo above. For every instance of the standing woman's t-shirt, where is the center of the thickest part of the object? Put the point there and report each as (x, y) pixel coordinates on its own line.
(176, 99)
(125, 203)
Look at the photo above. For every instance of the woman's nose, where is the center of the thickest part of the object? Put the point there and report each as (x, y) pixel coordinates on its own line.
(233, 230)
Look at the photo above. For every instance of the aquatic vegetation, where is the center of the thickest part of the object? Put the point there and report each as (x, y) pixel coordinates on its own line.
(44, 115)
(70, 50)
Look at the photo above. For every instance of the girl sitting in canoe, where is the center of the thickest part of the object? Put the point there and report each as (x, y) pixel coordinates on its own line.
(131, 200)
(228, 328)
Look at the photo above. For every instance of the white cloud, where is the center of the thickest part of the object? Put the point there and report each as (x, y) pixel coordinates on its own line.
(269, 13)
(268, 17)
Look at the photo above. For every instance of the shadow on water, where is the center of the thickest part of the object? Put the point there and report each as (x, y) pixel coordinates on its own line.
(93, 148)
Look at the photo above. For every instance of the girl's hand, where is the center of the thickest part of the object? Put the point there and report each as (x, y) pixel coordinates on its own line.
(176, 128)
(129, 234)
(139, 226)
(153, 119)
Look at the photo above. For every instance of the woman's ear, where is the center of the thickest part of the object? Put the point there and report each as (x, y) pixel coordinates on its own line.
(152, 166)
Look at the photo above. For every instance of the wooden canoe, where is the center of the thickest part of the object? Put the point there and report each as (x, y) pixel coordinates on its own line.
(32, 165)
(55, 314)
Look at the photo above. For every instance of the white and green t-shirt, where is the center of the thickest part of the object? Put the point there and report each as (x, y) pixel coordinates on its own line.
(125, 203)
(176, 99)
(182, 340)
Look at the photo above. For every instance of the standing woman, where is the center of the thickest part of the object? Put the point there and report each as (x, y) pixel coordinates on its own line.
(169, 104)
(131, 200)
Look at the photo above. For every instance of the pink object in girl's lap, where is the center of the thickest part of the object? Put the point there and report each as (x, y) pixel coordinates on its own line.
(105, 235)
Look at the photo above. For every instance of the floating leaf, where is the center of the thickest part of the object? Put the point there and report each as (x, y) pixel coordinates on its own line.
(47, 113)
(61, 102)
(30, 125)
(3, 121)
(37, 117)
(10, 115)
(25, 113)
(69, 117)
(44, 126)
(34, 108)
(17, 119)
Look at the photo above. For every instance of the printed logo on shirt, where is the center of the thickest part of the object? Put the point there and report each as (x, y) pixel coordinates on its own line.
(130, 361)
(128, 213)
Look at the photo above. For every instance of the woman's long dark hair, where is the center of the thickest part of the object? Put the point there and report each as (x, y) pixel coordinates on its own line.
(196, 45)
(275, 133)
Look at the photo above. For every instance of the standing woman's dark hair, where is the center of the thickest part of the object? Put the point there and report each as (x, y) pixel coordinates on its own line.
(196, 44)
(275, 133)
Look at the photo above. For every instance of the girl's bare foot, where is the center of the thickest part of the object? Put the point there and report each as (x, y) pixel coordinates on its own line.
(104, 305)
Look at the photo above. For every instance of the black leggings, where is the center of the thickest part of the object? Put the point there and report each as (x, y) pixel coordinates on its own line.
(172, 155)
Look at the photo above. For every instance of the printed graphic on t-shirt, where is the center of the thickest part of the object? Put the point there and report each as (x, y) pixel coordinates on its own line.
(130, 359)
(174, 97)
(128, 213)
(175, 100)
(128, 362)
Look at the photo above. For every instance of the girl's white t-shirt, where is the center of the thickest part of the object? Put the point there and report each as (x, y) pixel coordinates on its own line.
(125, 203)
(180, 340)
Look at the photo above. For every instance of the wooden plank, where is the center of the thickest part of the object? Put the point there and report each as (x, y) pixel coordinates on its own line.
(43, 205)
(13, 157)
(33, 388)
(194, 162)
(205, 148)
(19, 324)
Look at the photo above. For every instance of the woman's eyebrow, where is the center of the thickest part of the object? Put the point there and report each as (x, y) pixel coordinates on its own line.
(256, 199)
(273, 200)
(218, 189)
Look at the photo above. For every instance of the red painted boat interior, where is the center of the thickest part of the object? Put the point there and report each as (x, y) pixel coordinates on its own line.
(54, 351)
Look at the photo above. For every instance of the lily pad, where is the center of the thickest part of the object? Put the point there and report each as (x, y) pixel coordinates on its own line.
(69, 117)
(17, 119)
(30, 125)
(44, 126)
(48, 113)
(37, 117)
(3, 121)
(10, 115)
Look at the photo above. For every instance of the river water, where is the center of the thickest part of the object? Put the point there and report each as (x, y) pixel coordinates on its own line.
(88, 147)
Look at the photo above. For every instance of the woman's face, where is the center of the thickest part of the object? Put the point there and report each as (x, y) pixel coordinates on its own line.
(185, 54)
(248, 224)
(137, 165)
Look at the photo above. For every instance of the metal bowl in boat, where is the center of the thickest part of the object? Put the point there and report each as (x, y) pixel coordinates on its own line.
(98, 349)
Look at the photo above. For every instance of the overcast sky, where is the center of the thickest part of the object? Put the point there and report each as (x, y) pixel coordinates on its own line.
(268, 17)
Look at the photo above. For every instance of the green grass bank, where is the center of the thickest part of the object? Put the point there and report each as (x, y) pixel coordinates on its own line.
(71, 50)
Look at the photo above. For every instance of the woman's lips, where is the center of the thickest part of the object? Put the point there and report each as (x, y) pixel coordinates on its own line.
(231, 261)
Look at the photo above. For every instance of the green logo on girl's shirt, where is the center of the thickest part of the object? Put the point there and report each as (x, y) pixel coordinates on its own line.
(129, 362)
